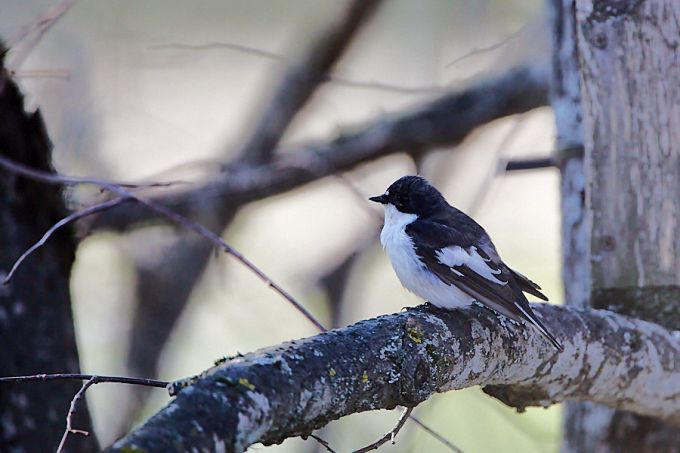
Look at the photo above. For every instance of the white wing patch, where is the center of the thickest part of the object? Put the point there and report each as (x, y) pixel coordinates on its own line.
(458, 256)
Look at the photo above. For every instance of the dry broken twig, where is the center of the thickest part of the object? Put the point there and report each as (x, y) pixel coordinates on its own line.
(72, 409)
(89, 380)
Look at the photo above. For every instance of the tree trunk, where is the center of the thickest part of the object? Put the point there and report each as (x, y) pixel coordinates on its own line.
(36, 325)
(630, 74)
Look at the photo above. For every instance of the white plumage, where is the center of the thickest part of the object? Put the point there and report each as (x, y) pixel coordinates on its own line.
(410, 270)
(457, 256)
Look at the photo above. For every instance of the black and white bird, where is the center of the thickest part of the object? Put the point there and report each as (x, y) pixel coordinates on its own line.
(443, 256)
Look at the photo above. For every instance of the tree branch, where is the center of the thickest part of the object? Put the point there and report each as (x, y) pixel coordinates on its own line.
(300, 81)
(444, 121)
(389, 437)
(530, 163)
(402, 359)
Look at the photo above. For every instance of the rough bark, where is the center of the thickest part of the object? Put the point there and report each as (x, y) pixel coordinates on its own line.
(36, 324)
(402, 359)
(444, 121)
(565, 98)
(630, 67)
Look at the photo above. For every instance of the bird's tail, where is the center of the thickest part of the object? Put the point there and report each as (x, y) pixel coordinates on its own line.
(538, 325)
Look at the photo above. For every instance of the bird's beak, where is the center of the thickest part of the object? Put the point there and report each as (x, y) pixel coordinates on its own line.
(382, 199)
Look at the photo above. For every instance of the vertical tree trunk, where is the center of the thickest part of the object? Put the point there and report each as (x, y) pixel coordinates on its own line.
(566, 102)
(630, 74)
(36, 325)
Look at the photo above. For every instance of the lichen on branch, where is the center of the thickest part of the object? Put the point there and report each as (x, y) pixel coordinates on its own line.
(402, 359)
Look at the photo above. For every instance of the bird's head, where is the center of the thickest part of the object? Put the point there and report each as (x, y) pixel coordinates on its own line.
(412, 195)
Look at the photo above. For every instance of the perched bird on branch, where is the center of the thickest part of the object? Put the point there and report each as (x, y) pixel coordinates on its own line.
(442, 255)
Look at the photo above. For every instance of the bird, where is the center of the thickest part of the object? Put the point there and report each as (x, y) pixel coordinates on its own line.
(442, 255)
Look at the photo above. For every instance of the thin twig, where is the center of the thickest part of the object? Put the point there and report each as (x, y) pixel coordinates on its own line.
(43, 74)
(483, 188)
(436, 435)
(323, 443)
(490, 48)
(389, 437)
(212, 45)
(329, 77)
(382, 86)
(82, 377)
(361, 198)
(530, 164)
(72, 409)
(65, 221)
(177, 219)
(59, 179)
(36, 29)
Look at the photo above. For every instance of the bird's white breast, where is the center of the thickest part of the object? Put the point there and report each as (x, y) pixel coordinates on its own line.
(412, 273)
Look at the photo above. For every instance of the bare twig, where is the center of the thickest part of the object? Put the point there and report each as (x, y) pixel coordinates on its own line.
(35, 30)
(59, 179)
(483, 188)
(436, 435)
(65, 221)
(322, 442)
(212, 45)
(55, 178)
(480, 50)
(72, 409)
(389, 437)
(328, 77)
(530, 164)
(361, 198)
(43, 74)
(383, 86)
(83, 377)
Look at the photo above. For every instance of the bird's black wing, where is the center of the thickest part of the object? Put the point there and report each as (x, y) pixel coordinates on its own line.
(457, 257)
(527, 285)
